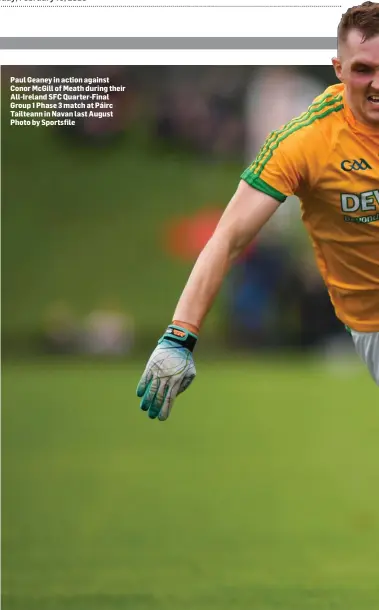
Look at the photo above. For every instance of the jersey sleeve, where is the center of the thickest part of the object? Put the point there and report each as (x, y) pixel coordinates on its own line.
(283, 164)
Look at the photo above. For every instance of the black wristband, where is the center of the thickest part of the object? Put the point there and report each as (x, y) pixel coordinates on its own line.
(180, 335)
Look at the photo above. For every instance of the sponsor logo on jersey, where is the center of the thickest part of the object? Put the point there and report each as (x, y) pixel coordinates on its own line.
(360, 202)
(350, 165)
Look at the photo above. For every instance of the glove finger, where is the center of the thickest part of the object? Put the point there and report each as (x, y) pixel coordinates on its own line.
(150, 394)
(144, 405)
(159, 398)
(168, 402)
(154, 406)
(187, 380)
(144, 382)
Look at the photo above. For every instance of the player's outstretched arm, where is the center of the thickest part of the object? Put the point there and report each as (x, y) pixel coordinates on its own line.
(171, 369)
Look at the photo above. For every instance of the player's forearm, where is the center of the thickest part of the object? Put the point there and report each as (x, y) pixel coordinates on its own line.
(206, 279)
(243, 218)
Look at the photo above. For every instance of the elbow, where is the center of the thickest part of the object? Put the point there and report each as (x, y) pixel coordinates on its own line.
(236, 249)
(231, 243)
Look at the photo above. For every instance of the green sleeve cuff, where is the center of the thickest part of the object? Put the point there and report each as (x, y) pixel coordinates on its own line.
(259, 184)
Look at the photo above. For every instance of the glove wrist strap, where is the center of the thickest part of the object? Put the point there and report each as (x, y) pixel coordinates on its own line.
(180, 335)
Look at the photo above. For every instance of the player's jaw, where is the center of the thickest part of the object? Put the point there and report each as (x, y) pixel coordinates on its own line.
(362, 93)
(363, 100)
(373, 101)
(369, 111)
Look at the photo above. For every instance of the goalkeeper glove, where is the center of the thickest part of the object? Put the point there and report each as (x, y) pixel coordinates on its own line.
(168, 372)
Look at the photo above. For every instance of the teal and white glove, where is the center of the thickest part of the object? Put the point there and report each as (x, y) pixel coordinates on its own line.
(169, 371)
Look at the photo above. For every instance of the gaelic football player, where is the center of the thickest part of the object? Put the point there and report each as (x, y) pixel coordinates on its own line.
(329, 158)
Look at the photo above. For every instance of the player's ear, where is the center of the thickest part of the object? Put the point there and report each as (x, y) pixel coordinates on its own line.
(337, 67)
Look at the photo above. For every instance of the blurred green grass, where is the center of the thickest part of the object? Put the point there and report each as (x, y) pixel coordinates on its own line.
(260, 492)
(86, 224)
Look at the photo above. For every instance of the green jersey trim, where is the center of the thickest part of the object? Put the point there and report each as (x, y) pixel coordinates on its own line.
(316, 111)
(256, 182)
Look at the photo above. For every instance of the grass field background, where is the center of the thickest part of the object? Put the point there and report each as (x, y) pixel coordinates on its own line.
(85, 225)
(260, 492)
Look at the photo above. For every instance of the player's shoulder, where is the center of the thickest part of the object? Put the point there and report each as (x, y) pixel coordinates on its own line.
(325, 110)
(319, 121)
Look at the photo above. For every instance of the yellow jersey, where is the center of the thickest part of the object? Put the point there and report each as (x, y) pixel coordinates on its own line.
(331, 162)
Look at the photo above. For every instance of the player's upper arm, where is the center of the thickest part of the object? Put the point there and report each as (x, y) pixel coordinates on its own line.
(247, 212)
(281, 169)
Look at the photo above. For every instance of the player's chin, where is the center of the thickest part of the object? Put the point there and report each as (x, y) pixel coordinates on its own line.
(373, 120)
(371, 111)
